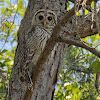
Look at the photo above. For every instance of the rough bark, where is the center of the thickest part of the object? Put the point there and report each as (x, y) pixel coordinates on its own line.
(26, 54)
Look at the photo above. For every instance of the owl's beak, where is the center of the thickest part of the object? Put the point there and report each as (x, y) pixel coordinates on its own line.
(44, 24)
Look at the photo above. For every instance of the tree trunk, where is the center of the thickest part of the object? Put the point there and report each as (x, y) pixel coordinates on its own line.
(27, 54)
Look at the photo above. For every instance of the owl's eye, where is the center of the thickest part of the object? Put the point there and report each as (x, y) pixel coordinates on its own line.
(40, 17)
(49, 18)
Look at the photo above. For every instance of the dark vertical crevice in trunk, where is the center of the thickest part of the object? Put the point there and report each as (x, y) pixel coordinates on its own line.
(53, 94)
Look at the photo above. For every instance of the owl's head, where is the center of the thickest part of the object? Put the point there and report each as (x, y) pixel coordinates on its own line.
(45, 18)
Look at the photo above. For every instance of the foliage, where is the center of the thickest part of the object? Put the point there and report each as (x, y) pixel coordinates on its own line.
(77, 78)
(11, 13)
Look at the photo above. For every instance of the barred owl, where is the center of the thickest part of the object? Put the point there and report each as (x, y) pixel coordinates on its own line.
(43, 22)
(45, 18)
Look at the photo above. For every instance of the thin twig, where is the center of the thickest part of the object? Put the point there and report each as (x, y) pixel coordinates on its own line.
(9, 31)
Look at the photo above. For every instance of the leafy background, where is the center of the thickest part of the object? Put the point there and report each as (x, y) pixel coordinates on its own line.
(11, 13)
(77, 80)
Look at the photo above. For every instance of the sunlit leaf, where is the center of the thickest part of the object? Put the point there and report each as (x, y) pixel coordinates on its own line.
(86, 12)
(92, 4)
(8, 2)
(3, 10)
(78, 13)
(20, 4)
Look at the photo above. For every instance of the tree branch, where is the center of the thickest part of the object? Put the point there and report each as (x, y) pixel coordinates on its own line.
(88, 3)
(97, 81)
(79, 70)
(79, 44)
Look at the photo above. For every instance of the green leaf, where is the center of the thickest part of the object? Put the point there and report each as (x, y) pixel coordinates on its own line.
(14, 39)
(8, 2)
(94, 38)
(21, 12)
(4, 51)
(92, 4)
(86, 12)
(97, 37)
(1, 85)
(1, 64)
(3, 10)
(96, 66)
(20, 4)
(15, 33)
(78, 13)
(7, 60)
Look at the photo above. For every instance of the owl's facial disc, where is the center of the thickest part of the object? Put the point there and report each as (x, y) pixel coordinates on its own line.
(45, 18)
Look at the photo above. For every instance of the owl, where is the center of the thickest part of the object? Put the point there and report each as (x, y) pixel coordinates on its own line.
(45, 18)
